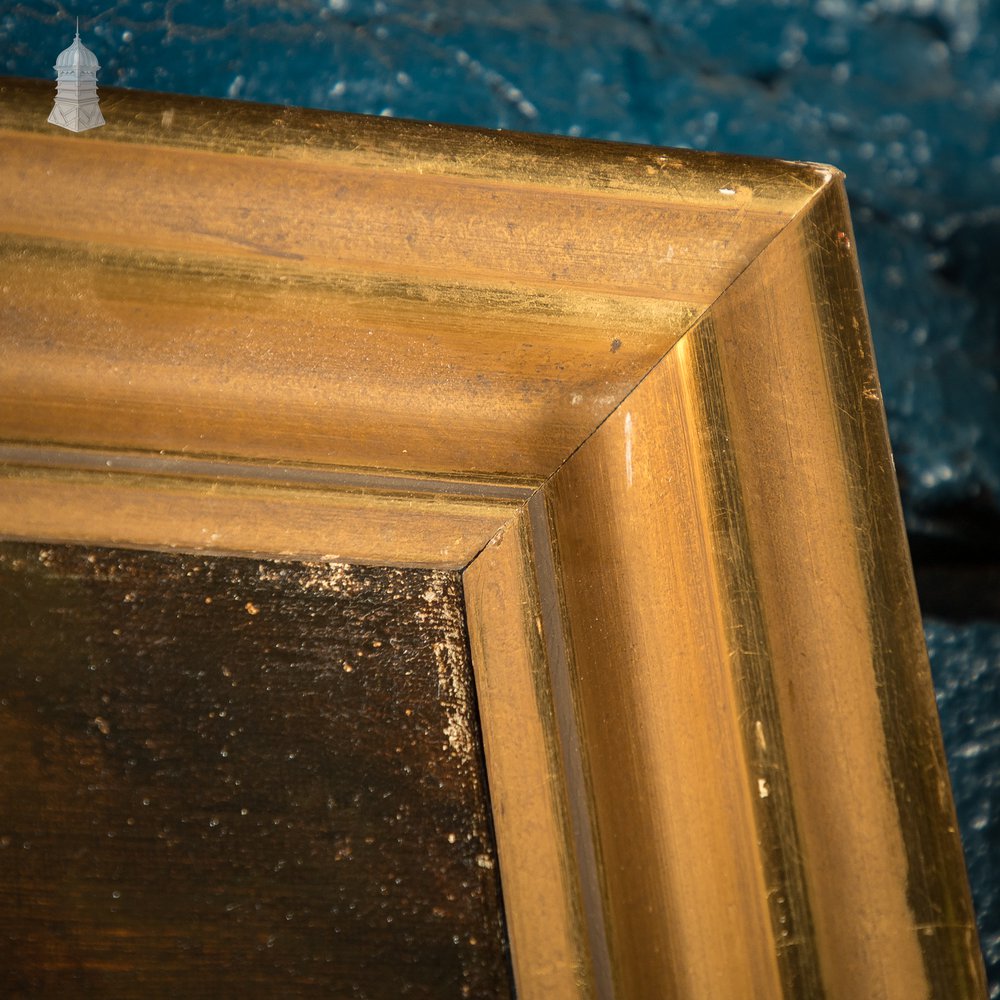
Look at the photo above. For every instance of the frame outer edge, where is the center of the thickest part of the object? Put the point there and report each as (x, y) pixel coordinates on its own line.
(790, 354)
(771, 809)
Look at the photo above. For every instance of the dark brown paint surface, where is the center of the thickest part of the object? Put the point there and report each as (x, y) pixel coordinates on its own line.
(221, 776)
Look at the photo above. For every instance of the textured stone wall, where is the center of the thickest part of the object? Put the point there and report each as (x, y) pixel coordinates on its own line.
(902, 94)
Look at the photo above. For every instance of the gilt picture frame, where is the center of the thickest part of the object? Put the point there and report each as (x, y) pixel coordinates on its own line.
(630, 394)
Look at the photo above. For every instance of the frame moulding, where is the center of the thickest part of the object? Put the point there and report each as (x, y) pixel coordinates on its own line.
(629, 393)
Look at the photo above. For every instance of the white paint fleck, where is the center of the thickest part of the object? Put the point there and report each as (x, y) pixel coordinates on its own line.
(576, 399)
(327, 577)
(628, 448)
(484, 861)
(762, 790)
(727, 191)
(454, 694)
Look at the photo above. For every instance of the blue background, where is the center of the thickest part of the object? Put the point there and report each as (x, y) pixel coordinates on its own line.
(902, 94)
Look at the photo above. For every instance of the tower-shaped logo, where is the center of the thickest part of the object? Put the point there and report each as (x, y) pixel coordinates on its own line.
(76, 106)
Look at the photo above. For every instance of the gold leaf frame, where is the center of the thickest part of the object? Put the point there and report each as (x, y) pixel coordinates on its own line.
(630, 394)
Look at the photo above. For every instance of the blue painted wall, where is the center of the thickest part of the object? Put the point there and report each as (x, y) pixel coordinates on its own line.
(902, 94)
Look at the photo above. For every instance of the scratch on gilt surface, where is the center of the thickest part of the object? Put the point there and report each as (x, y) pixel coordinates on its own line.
(628, 448)
(761, 738)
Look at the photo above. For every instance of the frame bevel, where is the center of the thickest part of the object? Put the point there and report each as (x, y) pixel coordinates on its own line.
(659, 457)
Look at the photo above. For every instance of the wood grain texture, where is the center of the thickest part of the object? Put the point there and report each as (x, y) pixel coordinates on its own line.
(684, 894)
(228, 776)
(367, 299)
